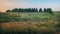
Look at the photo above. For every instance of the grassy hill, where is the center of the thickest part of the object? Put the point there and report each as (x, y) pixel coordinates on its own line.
(23, 16)
(29, 23)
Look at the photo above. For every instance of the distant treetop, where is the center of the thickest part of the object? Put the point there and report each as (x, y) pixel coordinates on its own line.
(48, 10)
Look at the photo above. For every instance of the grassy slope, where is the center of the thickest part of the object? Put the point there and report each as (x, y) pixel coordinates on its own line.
(10, 16)
(30, 22)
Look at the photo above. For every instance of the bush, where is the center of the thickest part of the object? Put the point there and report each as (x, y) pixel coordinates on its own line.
(57, 26)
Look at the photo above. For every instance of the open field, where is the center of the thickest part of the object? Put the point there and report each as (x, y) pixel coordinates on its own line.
(30, 23)
(23, 16)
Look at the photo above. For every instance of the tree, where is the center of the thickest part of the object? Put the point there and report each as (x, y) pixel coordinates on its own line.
(29, 10)
(49, 10)
(8, 10)
(15, 10)
(19, 10)
(45, 10)
(40, 10)
(36, 10)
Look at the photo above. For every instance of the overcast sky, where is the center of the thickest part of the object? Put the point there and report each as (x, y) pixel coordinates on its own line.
(10, 4)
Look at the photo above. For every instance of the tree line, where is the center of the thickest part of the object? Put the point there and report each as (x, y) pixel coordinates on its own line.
(49, 10)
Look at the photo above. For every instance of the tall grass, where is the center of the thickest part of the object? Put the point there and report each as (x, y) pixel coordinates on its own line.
(25, 28)
(15, 16)
(29, 23)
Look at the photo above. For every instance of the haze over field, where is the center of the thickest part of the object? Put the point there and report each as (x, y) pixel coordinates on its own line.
(10, 4)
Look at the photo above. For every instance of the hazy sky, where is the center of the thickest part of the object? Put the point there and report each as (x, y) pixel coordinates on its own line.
(10, 4)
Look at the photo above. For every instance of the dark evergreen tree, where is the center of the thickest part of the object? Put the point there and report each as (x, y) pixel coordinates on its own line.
(45, 10)
(8, 10)
(15, 10)
(25, 10)
(22, 10)
(36, 10)
(49, 10)
(19, 10)
(40, 10)
(33, 10)
(29, 10)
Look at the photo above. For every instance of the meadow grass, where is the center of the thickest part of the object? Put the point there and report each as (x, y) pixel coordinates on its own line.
(29, 23)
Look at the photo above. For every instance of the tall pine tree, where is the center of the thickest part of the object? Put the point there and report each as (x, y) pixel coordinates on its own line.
(40, 10)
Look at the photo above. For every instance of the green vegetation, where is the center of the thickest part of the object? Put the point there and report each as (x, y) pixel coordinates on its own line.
(23, 16)
(29, 23)
(48, 10)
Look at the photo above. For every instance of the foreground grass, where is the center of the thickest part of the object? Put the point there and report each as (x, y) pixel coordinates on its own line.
(27, 27)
